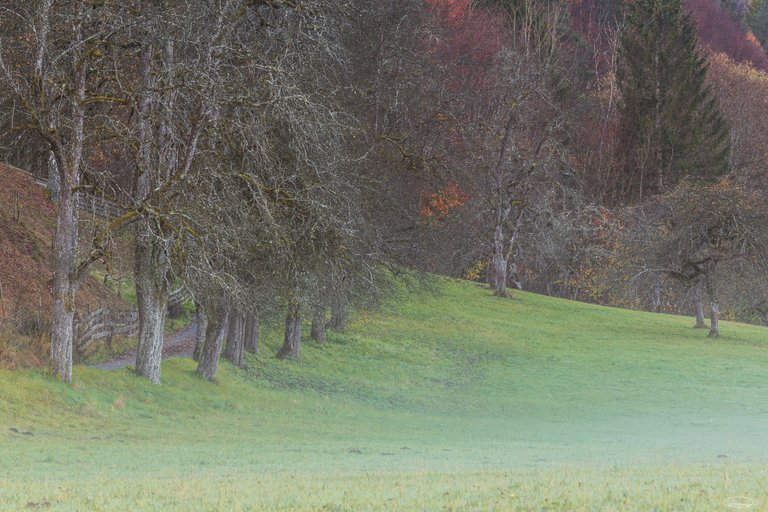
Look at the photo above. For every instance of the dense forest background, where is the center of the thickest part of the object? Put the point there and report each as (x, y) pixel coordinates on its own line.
(285, 160)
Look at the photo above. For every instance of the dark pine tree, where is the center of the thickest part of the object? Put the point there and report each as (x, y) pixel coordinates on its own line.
(671, 124)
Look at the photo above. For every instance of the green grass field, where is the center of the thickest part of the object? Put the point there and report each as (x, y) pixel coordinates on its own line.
(458, 401)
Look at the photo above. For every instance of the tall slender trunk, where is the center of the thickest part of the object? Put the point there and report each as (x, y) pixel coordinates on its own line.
(235, 339)
(202, 327)
(292, 339)
(714, 327)
(698, 305)
(499, 269)
(252, 334)
(214, 340)
(151, 274)
(501, 214)
(318, 325)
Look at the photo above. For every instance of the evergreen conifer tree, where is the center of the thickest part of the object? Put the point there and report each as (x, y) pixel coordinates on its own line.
(672, 126)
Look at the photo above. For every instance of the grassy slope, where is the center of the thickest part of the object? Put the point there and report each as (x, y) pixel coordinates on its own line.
(460, 401)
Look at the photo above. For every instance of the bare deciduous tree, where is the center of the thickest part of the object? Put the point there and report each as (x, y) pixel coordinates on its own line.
(57, 70)
(702, 235)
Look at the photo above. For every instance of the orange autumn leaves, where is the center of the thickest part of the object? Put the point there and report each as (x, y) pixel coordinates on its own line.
(437, 206)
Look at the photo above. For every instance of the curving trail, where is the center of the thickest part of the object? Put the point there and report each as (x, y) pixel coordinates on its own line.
(178, 344)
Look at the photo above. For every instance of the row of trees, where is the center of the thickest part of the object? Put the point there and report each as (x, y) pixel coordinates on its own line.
(219, 129)
(276, 157)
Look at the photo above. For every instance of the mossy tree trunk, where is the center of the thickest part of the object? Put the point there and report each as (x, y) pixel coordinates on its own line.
(151, 272)
(214, 340)
(292, 339)
(202, 327)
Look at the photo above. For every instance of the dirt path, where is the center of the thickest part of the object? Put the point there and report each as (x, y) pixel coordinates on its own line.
(178, 344)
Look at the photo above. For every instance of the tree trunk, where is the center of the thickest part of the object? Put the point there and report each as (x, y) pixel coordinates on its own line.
(235, 338)
(500, 197)
(292, 340)
(65, 272)
(252, 334)
(500, 275)
(714, 328)
(151, 276)
(214, 340)
(656, 301)
(202, 327)
(698, 305)
(318, 325)
(64, 289)
(339, 316)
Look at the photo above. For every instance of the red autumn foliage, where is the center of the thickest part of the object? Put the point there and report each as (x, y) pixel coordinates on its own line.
(466, 40)
(721, 34)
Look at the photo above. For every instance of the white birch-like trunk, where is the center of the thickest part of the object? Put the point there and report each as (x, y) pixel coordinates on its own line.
(499, 263)
(714, 325)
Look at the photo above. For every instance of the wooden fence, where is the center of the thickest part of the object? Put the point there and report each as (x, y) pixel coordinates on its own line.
(104, 323)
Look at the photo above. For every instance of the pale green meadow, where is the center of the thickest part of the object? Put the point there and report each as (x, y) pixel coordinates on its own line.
(457, 401)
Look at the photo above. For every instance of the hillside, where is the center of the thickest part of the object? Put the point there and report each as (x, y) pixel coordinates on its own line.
(27, 223)
(457, 401)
